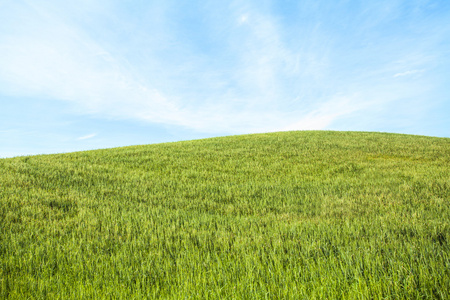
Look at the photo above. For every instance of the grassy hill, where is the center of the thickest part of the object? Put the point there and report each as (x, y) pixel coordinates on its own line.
(282, 215)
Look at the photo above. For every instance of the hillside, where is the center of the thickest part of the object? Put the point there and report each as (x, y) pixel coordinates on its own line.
(289, 215)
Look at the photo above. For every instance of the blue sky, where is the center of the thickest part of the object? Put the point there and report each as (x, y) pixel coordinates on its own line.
(79, 75)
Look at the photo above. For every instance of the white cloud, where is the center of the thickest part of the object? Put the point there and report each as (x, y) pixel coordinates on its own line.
(53, 59)
(327, 112)
(89, 136)
(408, 73)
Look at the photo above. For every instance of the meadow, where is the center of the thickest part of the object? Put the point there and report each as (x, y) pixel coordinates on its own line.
(289, 215)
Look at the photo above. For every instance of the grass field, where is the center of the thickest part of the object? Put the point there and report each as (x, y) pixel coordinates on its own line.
(292, 215)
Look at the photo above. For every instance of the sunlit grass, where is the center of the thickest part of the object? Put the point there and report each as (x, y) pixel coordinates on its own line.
(283, 215)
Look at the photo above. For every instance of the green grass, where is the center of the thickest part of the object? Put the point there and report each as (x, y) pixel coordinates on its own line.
(292, 215)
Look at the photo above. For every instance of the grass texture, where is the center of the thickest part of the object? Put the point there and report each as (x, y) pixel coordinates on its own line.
(291, 215)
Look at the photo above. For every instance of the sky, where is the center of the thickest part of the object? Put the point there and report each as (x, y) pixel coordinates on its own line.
(81, 75)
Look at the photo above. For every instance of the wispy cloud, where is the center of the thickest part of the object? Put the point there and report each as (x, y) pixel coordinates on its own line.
(408, 73)
(335, 108)
(51, 57)
(85, 137)
(238, 67)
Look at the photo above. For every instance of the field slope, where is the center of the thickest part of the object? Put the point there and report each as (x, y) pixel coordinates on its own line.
(292, 215)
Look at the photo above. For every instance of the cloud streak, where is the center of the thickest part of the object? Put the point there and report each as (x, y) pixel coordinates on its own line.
(408, 73)
(86, 137)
